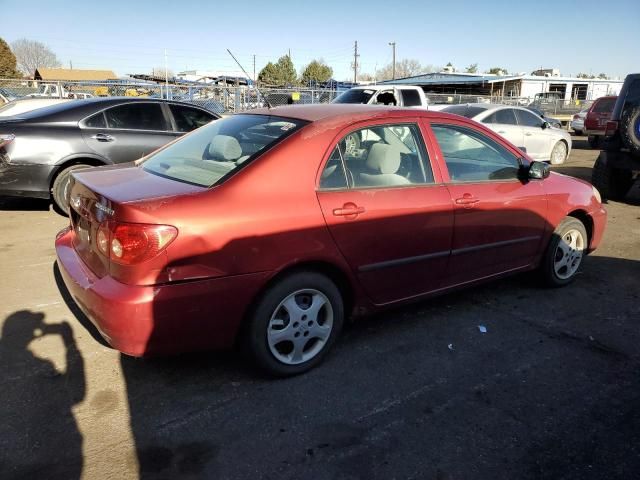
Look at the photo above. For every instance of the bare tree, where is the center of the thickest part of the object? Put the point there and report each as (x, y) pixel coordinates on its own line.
(160, 72)
(31, 55)
(405, 68)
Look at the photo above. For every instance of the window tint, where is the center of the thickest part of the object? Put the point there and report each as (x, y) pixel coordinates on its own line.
(504, 116)
(188, 118)
(355, 95)
(381, 156)
(411, 98)
(472, 157)
(136, 116)
(464, 110)
(528, 119)
(96, 121)
(604, 105)
(214, 151)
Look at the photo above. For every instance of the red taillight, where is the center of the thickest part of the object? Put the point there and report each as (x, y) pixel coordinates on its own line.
(611, 128)
(133, 243)
(5, 139)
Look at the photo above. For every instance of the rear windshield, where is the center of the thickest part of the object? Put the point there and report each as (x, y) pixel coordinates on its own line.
(605, 105)
(355, 95)
(464, 110)
(214, 151)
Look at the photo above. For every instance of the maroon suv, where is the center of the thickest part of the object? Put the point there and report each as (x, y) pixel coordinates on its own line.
(596, 120)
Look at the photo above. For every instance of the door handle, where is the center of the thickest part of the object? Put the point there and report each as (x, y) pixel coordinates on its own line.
(347, 210)
(103, 137)
(467, 200)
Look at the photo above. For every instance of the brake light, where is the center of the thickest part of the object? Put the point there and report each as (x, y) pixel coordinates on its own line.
(6, 139)
(133, 243)
(611, 128)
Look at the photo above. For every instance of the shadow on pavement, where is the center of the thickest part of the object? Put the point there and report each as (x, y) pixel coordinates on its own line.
(39, 437)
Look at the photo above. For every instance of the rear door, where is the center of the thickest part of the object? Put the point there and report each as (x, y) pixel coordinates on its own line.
(387, 209)
(499, 219)
(537, 140)
(503, 122)
(128, 132)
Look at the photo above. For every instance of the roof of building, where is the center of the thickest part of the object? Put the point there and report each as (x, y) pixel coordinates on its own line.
(73, 74)
(468, 79)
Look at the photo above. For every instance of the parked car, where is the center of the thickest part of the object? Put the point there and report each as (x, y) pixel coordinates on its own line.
(17, 107)
(596, 119)
(7, 95)
(396, 95)
(58, 91)
(523, 128)
(41, 147)
(577, 123)
(618, 165)
(554, 122)
(227, 236)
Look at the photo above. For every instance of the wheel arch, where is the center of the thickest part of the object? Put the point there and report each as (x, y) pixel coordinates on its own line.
(87, 159)
(586, 220)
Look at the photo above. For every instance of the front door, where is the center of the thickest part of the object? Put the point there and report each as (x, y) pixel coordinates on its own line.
(499, 219)
(503, 122)
(537, 140)
(389, 216)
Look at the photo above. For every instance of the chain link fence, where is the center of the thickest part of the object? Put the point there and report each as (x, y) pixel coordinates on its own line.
(220, 99)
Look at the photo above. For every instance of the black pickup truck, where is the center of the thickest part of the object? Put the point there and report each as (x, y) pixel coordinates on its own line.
(618, 165)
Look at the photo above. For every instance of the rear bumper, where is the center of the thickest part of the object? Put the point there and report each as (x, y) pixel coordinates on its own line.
(160, 319)
(25, 180)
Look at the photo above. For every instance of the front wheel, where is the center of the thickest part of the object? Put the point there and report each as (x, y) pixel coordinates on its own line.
(559, 153)
(564, 253)
(295, 323)
(60, 188)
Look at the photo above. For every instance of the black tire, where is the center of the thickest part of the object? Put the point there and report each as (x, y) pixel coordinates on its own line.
(630, 129)
(578, 132)
(612, 183)
(594, 141)
(59, 191)
(548, 272)
(255, 334)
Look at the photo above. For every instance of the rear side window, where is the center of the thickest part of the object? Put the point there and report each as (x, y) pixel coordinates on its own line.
(96, 121)
(411, 98)
(136, 116)
(473, 157)
(213, 152)
(528, 119)
(604, 105)
(188, 118)
(504, 116)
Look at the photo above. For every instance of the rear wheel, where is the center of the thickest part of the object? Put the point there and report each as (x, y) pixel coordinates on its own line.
(564, 253)
(60, 188)
(594, 141)
(295, 323)
(559, 153)
(612, 183)
(630, 129)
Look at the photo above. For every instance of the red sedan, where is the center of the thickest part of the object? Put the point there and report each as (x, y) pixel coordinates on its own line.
(270, 228)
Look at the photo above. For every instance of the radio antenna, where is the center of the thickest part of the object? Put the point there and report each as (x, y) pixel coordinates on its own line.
(254, 80)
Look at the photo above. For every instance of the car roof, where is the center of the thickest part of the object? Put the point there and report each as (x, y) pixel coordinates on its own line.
(325, 111)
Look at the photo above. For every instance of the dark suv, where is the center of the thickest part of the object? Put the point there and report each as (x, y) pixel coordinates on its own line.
(618, 165)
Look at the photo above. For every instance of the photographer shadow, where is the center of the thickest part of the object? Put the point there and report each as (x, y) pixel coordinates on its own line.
(39, 437)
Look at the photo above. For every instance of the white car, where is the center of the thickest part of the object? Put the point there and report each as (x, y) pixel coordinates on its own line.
(523, 128)
(27, 104)
(577, 123)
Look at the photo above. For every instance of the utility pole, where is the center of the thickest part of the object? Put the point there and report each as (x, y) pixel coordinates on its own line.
(70, 65)
(355, 62)
(254, 69)
(393, 69)
(166, 73)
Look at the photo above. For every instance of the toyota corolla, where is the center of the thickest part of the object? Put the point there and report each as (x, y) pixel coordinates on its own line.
(268, 229)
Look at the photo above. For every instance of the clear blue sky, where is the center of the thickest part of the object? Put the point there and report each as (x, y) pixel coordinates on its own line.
(130, 37)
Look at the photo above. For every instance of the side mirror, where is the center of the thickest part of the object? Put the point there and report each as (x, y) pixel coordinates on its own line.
(544, 125)
(539, 170)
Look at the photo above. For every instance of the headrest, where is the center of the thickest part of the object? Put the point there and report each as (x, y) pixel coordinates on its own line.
(224, 147)
(383, 158)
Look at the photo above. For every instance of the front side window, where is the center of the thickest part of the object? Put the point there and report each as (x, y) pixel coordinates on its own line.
(216, 150)
(503, 116)
(188, 118)
(386, 97)
(378, 156)
(136, 116)
(473, 157)
(355, 95)
(528, 119)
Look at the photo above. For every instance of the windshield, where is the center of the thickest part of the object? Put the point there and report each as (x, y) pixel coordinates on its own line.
(464, 110)
(355, 95)
(215, 150)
